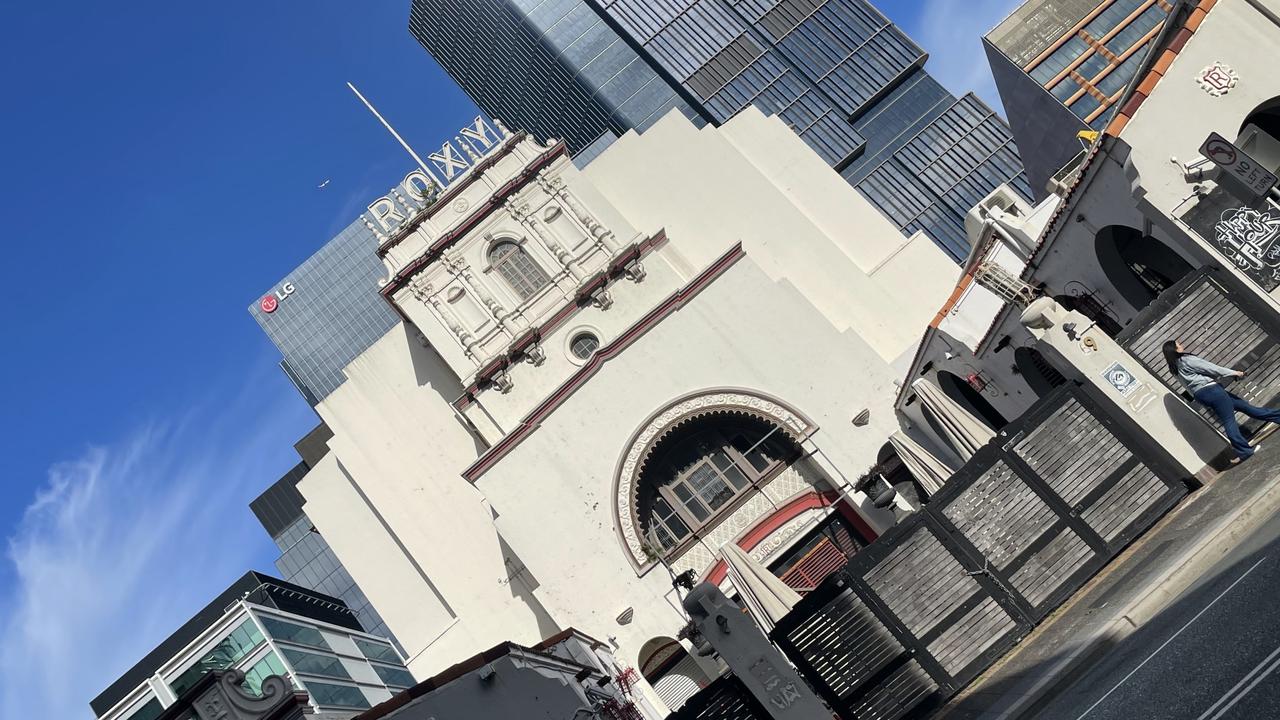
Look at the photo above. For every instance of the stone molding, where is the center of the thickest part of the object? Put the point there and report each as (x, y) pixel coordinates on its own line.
(724, 401)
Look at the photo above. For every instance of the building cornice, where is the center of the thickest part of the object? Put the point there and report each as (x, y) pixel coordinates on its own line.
(533, 420)
(495, 201)
(445, 197)
(522, 344)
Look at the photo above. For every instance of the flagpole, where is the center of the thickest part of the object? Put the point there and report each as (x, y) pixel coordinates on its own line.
(396, 135)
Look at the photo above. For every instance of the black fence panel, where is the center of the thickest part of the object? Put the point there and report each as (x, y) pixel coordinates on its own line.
(725, 699)
(939, 598)
(1219, 318)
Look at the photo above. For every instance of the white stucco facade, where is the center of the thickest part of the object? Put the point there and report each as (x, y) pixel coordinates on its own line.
(484, 473)
(1122, 227)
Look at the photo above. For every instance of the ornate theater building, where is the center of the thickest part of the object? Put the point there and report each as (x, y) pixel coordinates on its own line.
(603, 376)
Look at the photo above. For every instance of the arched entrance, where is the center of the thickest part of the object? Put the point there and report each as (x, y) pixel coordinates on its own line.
(1140, 267)
(1042, 376)
(970, 399)
(672, 672)
(1265, 117)
(696, 462)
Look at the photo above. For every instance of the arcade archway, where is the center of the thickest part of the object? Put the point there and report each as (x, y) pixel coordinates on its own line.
(1140, 267)
(1036, 369)
(970, 399)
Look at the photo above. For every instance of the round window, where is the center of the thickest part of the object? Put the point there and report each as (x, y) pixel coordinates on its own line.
(584, 345)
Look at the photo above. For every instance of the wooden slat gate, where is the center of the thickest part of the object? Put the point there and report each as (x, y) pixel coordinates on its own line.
(725, 699)
(1217, 317)
(936, 600)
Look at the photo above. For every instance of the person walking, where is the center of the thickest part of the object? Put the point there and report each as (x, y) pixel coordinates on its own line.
(1201, 379)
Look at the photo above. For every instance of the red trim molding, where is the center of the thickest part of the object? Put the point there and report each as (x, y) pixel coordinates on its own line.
(764, 528)
(495, 201)
(473, 173)
(534, 419)
(580, 299)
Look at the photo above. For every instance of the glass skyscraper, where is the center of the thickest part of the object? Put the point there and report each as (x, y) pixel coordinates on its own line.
(333, 313)
(847, 80)
(305, 558)
(1062, 65)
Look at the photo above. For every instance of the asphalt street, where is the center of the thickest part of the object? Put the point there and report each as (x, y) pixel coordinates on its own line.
(1214, 653)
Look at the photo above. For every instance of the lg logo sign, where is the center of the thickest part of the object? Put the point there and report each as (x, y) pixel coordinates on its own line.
(271, 302)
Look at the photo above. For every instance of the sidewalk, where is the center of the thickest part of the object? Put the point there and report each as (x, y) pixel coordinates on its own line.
(1131, 590)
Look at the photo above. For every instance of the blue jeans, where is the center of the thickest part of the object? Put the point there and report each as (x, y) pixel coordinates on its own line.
(1225, 405)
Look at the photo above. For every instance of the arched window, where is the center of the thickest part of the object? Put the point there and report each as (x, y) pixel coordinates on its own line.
(697, 473)
(515, 266)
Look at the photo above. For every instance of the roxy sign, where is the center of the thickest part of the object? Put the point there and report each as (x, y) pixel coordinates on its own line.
(451, 161)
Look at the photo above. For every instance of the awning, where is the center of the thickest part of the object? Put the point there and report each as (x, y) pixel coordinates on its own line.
(927, 469)
(965, 432)
(767, 598)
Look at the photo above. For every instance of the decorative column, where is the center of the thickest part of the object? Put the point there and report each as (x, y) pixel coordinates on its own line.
(462, 271)
(555, 187)
(520, 211)
(425, 293)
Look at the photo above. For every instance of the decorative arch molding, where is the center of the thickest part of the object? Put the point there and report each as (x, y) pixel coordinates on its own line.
(726, 401)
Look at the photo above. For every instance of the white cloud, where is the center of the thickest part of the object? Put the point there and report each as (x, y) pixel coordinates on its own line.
(951, 32)
(122, 544)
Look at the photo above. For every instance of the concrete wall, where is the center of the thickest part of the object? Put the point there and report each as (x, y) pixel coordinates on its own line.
(828, 295)
(754, 181)
(1178, 115)
(553, 492)
(417, 538)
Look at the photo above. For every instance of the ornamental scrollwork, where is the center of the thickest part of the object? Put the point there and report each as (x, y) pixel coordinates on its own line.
(725, 401)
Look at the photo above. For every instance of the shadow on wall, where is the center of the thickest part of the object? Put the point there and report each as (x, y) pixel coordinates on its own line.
(430, 370)
(522, 584)
(1192, 426)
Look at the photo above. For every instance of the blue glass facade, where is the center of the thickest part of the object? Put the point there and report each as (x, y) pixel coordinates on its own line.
(1062, 66)
(847, 80)
(566, 72)
(333, 314)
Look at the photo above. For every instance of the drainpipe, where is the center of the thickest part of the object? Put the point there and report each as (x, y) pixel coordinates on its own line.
(1264, 11)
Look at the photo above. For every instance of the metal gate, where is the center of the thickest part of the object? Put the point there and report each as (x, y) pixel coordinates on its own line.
(724, 699)
(935, 601)
(1219, 318)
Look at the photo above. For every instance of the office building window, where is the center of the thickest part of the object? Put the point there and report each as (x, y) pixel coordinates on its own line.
(297, 634)
(266, 667)
(377, 651)
(396, 676)
(342, 696)
(226, 653)
(313, 664)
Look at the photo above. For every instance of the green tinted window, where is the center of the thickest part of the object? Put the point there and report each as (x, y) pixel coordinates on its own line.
(377, 651)
(266, 667)
(313, 664)
(336, 695)
(396, 676)
(289, 632)
(223, 655)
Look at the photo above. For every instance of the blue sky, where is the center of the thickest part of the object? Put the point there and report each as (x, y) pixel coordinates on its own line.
(159, 172)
